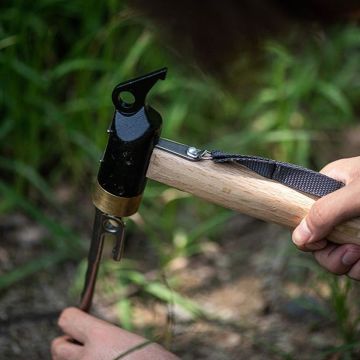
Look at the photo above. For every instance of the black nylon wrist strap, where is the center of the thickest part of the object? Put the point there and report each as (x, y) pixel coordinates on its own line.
(294, 176)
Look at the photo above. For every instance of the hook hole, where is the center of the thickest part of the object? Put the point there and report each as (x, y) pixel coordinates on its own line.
(112, 226)
(126, 99)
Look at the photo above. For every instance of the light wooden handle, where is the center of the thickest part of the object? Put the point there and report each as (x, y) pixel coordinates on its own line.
(235, 187)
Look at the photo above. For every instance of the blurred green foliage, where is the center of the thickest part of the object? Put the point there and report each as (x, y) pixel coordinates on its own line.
(59, 63)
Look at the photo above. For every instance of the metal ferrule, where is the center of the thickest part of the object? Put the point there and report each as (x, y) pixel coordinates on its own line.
(113, 204)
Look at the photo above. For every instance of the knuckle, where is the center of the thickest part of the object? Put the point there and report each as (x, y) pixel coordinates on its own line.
(332, 169)
(353, 168)
(346, 170)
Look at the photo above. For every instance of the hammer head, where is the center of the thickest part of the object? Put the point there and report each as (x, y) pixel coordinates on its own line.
(133, 133)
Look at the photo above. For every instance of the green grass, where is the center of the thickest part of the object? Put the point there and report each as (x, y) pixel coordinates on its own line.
(59, 62)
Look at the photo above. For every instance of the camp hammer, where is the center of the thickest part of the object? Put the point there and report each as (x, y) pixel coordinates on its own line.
(266, 189)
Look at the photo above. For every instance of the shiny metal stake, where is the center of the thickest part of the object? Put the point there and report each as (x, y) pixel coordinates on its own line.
(103, 224)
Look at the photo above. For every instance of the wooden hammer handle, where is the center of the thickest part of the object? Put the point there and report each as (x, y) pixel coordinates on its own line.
(234, 186)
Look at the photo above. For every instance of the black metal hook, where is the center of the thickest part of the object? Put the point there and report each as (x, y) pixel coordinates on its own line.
(139, 88)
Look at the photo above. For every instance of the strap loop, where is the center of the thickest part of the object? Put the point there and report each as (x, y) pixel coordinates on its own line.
(294, 176)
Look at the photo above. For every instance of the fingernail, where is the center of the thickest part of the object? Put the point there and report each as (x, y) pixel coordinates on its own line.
(301, 234)
(350, 258)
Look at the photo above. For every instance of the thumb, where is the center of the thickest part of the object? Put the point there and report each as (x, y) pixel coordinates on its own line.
(325, 214)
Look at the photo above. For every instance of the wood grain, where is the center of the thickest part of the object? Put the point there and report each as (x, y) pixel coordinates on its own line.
(235, 187)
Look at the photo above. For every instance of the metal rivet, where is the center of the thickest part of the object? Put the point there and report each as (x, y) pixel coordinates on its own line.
(193, 152)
